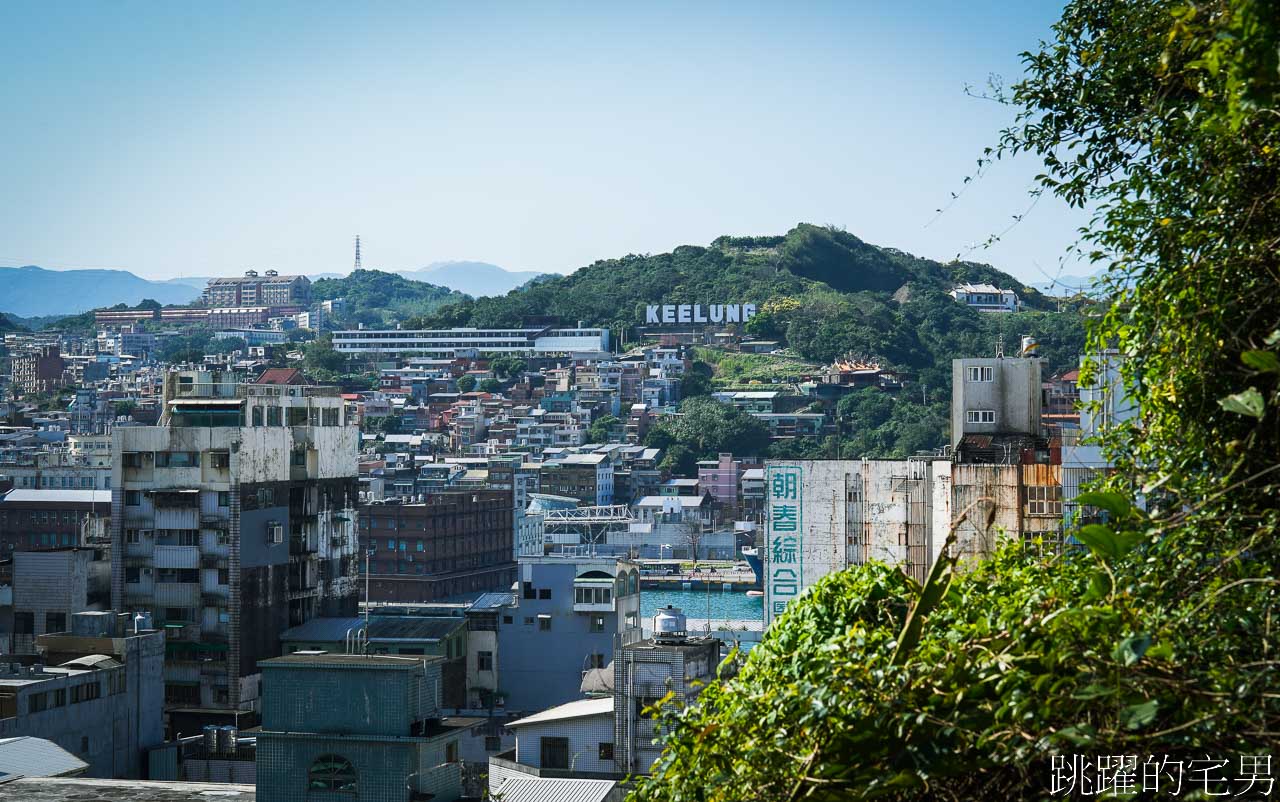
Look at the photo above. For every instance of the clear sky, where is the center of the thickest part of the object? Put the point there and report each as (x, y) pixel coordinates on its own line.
(195, 139)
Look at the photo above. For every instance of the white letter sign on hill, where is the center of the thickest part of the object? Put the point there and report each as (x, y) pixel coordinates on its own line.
(667, 314)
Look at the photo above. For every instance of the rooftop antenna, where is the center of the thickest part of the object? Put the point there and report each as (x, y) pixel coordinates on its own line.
(1000, 346)
(357, 266)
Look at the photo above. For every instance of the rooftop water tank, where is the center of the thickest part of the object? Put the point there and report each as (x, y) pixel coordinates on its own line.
(669, 625)
(1030, 346)
(209, 736)
(226, 739)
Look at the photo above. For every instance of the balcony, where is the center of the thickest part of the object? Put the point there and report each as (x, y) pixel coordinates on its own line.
(593, 596)
(303, 544)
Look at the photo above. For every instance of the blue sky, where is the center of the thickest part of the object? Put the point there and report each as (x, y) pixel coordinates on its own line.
(183, 139)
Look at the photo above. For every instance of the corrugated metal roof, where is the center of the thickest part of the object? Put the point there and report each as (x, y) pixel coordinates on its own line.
(534, 789)
(413, 627)
(491, 601)
(578, 709)
(322, 629)
(36, 757)
(54, 496)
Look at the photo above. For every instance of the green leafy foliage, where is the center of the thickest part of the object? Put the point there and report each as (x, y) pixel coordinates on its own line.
(599, 429)
(703, 429)
(379, 299)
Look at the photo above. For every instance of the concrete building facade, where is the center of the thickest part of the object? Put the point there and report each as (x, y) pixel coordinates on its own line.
(566, 616)
(96, 691)
(395, 746)
(234, 519)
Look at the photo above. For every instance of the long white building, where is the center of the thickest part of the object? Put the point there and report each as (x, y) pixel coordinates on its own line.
(448, 342)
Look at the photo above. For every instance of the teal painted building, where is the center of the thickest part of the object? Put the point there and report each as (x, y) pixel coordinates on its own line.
(351, 726)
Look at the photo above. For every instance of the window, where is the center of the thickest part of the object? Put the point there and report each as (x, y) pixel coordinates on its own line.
(60, 697)
(597, 623)
(554, 753)
(180, 694)
(529, 591)
(451, 752)
(132, 498)
(484, 661)
(298, 458)
(132, 459)
(980, 416)
(257, 416)
(132, 575)
(980, 374)
(37, 702)
(606, 751)
(177, 615)
(492, 743)
(224, 576)
(131, 536)
(24, 623)
(178, 574)
(85, 692)
(331, 773)
(55, 622)
(220, 459)
(273, 416)
(84, 744)
(592, 595)
(528, 620)
(596, 660)
(544, 593)
(1044, 500)
(224, 498)
(544, 624)
(506, 619)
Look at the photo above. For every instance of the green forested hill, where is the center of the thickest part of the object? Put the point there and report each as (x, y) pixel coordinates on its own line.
(824, 292)
(375, 298)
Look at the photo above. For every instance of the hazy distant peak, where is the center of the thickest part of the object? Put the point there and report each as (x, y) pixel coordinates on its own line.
(473, 278)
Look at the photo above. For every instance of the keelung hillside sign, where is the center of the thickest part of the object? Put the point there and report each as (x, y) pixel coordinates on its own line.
(662, 314)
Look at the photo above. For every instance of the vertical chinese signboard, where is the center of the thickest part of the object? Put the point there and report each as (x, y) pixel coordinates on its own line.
(783, 559)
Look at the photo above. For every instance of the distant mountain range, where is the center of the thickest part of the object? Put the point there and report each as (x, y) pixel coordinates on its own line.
(32, 291)
(477, 279)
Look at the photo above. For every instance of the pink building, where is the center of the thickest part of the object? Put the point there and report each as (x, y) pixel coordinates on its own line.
(719, 479)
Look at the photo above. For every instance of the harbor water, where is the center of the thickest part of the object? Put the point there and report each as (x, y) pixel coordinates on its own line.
(716, 605)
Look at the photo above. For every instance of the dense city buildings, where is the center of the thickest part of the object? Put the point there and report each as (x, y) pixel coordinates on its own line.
(234, 519)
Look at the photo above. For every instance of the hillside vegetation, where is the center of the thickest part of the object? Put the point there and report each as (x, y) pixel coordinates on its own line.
(1152, 648)
(821, 291)
(377, 299)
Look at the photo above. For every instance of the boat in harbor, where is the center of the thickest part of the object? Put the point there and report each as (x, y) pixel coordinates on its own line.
(752, 555)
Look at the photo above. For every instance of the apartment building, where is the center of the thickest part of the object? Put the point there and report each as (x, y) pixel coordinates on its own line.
(454, 342)
(39, 371)
(96, 690)
(234, 519)
(269, 289)
(451, 543)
